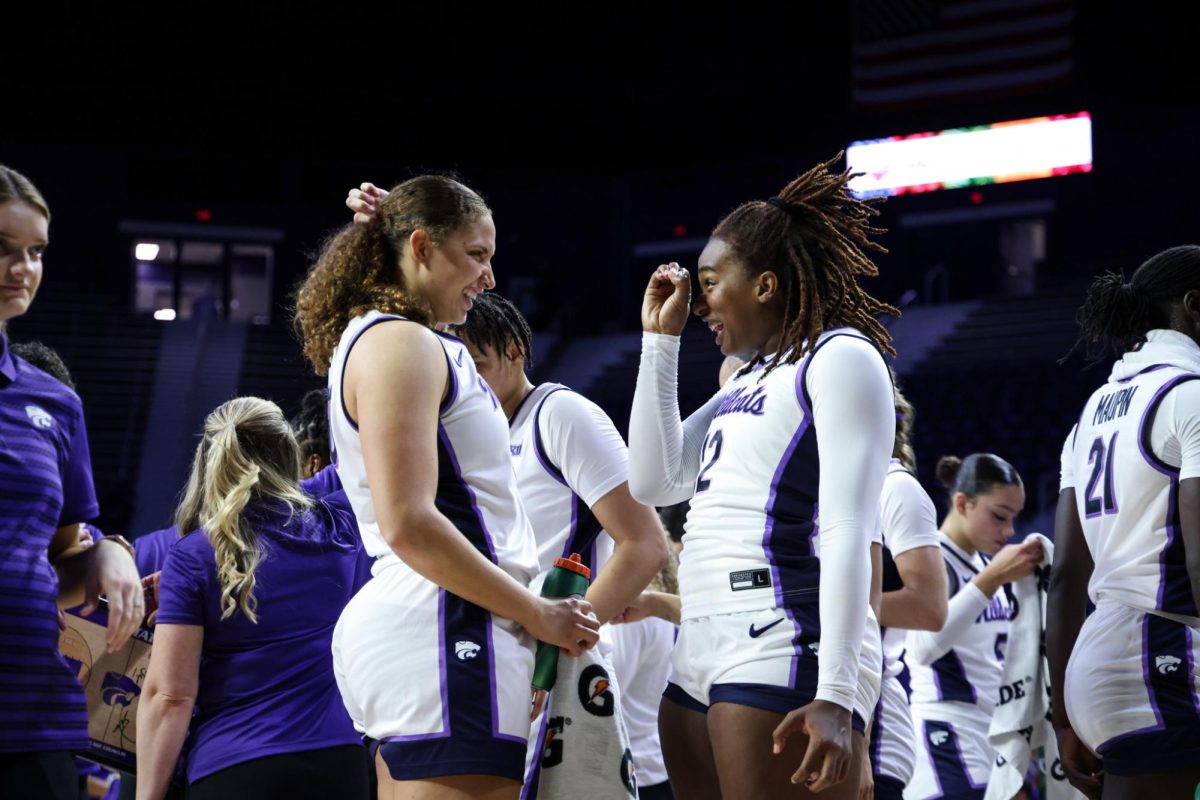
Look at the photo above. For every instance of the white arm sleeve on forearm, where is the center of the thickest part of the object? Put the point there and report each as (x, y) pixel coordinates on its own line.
(925, 647)
(664, 453)
(854, 414)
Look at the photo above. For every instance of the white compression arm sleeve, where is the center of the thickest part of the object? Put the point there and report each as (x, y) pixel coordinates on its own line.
(925, 647)
(664, 453)
(854, 414)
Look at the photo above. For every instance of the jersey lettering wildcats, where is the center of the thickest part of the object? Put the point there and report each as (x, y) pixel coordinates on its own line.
(476, 486)
(1125, 472)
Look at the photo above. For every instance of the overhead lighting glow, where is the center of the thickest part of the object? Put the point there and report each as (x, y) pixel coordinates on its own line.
(165, 314)
(145, 251)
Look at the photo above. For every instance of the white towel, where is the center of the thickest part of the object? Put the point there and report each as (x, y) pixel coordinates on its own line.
(1021, 722)
(581, 739)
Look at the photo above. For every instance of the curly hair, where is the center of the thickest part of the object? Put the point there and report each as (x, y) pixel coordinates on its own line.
(358, 268)
(813, 235)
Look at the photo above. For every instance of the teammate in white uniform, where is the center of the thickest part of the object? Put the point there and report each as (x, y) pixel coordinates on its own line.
(809, 422)
(572, 473)
(956, 672)
(914, 598)
(430, 655)
(1128, 529)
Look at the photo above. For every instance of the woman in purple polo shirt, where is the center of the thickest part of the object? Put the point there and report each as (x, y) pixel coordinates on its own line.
(247, 605)
(45, 493)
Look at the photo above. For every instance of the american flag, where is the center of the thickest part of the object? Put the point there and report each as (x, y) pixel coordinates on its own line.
(910, 53)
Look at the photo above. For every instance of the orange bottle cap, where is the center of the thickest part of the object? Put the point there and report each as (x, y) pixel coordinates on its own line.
(573, 564)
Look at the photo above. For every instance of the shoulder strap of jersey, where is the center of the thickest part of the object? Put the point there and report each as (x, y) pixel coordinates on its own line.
(1147, 423)
(538, 447)
(802, 375)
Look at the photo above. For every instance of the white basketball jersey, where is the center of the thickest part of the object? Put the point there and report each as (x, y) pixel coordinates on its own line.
(1127, 493)
(567, 455)
(476, 485)
(908, 520)
(752, 538)
(971, 670)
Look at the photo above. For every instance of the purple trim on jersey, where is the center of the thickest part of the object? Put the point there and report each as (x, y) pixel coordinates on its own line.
(346, 360)
(452, 377)
(444, 438)
(521, 405)
(1110, 488)
(1151, 368)
(1146, 424)
(769, 527)
(950, 678)
(542, 458)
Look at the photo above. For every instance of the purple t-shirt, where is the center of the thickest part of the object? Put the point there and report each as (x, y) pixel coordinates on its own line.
(45, 483)
(267, 688)
(150, 550)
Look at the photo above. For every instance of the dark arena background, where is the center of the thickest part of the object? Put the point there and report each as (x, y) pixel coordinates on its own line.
(195, 161)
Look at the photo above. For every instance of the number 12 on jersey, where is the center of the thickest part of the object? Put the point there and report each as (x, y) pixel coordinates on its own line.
(711, 442)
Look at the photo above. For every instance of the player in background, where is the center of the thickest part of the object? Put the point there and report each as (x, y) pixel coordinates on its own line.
(956, 672)
(1127, 536)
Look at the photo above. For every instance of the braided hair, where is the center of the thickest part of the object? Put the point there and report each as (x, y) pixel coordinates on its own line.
(814, 235)
(495, 322)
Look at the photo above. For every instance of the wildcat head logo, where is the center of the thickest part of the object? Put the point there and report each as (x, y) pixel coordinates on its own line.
(466, 650)
(939, 738)
(118, 689)
(39, 417)
(1167, 664)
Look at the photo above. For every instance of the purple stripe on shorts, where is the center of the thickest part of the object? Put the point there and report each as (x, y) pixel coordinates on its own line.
(1146, 656)
(445, 684)
(493, 692)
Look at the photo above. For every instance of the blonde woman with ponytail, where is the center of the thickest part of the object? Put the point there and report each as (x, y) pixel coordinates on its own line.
(247, 604)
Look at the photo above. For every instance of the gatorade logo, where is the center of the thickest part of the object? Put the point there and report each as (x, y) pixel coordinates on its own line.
(595, 692)
(466, 650)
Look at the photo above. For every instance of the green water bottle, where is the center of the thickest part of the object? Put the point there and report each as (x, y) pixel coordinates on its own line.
(567, 578)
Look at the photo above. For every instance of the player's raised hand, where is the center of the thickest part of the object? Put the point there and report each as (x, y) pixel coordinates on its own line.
(667, 302)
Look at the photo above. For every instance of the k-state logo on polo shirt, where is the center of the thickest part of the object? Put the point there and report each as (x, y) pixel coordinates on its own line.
(39, 417)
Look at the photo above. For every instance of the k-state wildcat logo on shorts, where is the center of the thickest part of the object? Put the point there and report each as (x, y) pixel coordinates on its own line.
(39, 417)
(595, 691)
(939, 737)
(1167, 664)
(466, 650)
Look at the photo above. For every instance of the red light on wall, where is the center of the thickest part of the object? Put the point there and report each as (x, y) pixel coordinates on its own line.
(679, 231)
(204, 215)
(976, 197)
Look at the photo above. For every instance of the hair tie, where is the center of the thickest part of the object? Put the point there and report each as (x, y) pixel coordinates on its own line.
(779, 203)
(899, 416)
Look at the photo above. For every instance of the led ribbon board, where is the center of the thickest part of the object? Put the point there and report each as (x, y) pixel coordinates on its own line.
(1003, 152)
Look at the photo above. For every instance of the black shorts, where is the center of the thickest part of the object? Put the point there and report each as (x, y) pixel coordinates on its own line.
(317, 774)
